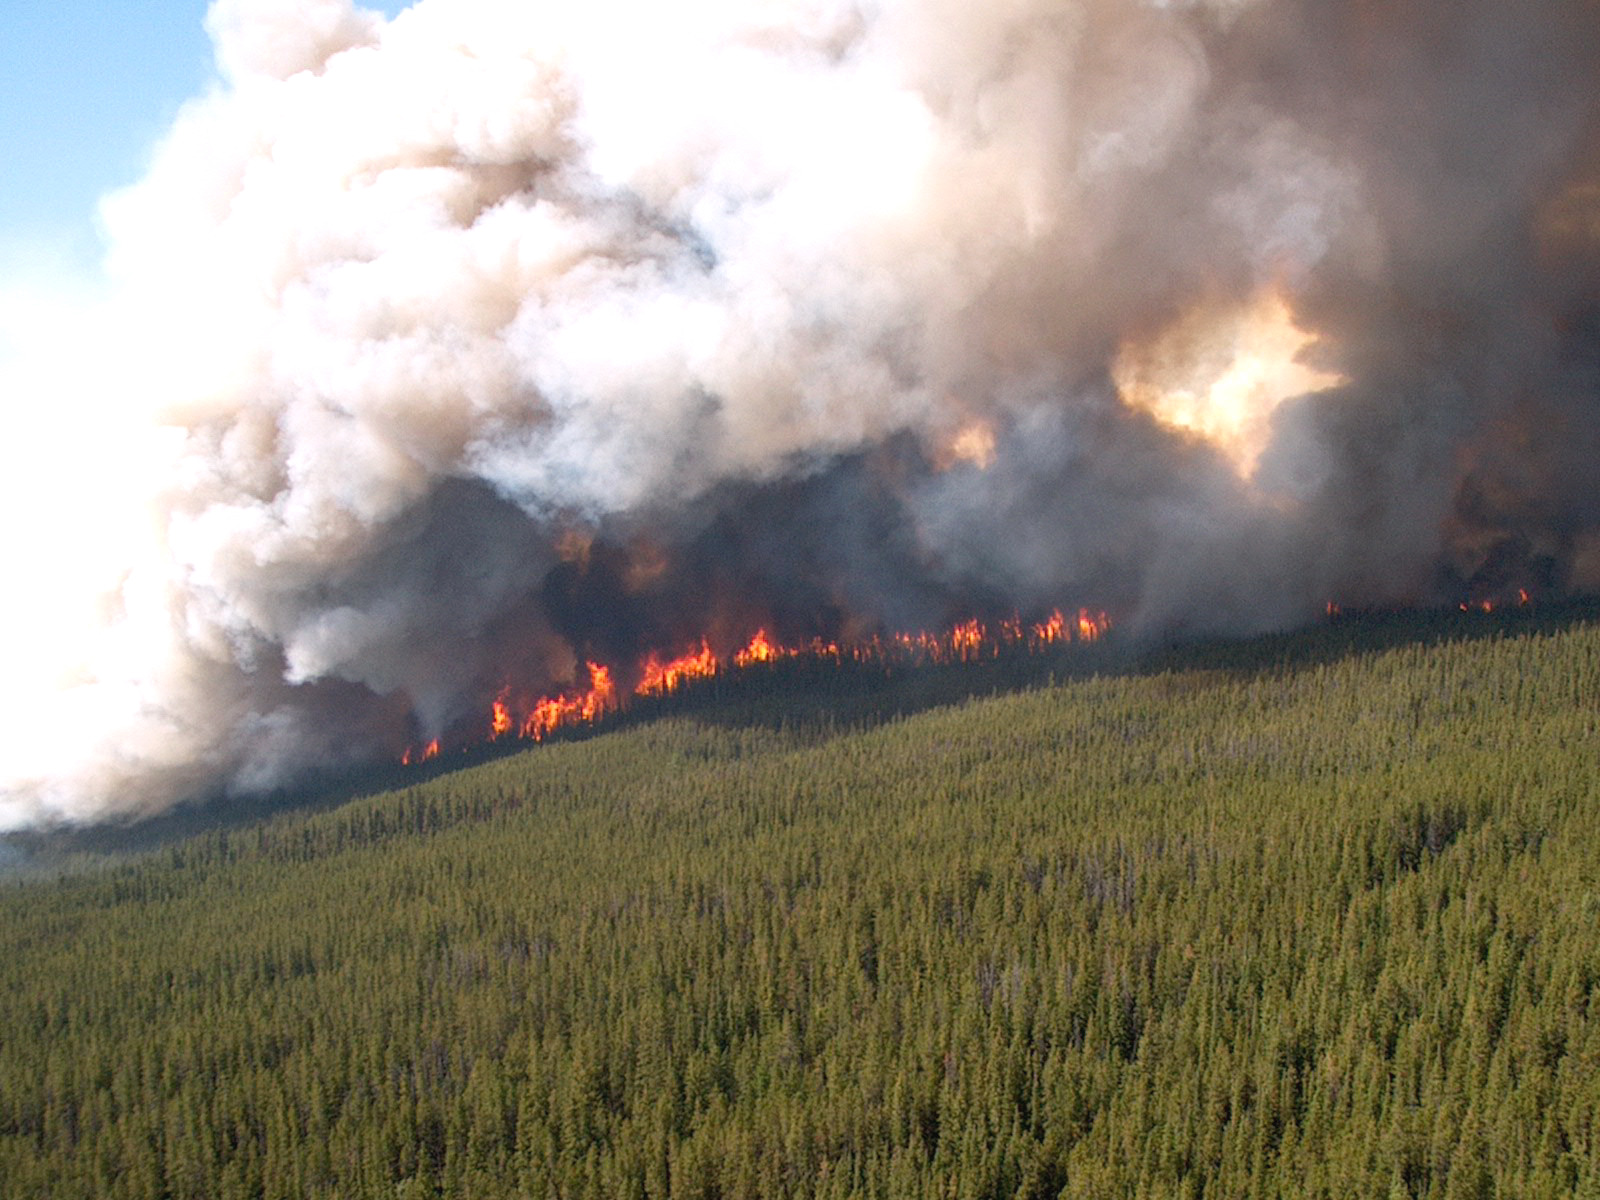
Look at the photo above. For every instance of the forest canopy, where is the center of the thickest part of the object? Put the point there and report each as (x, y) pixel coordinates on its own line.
(1263, 921)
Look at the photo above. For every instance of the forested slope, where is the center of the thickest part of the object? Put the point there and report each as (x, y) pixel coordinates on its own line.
(1328, 929)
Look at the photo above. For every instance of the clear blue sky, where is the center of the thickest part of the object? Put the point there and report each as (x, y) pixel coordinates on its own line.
(86, 89)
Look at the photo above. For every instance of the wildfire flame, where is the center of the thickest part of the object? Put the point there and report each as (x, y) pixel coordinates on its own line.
(969, 641)
(760, 650)
(1335, 610)
(551, 713)
(1489, 606)
(430, 751)
(661, 678)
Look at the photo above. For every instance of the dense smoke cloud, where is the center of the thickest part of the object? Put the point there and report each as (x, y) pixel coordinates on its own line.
(454, 349)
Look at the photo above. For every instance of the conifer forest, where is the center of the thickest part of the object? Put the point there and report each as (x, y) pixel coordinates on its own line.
(1315, 915)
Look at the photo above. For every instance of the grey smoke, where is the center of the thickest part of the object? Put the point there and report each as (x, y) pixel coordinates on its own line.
(497, 336)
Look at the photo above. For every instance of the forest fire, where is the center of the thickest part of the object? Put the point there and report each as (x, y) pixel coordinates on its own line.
(760, 650)
(660, 678)
(969, 641)
(427, 753)
(515, 353)
(1524, 599)
(550, 713)
(1499, 602)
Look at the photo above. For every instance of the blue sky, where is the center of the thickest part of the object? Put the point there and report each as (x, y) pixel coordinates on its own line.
(87, 87)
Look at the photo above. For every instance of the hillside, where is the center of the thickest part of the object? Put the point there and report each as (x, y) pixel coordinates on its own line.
(1314, 916)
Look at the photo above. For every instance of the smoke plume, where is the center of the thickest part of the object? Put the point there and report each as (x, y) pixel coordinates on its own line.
(459, 348)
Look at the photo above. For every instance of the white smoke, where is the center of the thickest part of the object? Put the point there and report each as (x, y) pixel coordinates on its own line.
(599, 260)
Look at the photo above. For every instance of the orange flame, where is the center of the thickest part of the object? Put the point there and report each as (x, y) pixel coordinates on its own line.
(968, 639)
(431, 750)
(760, 650)
(499, 718)
(602, 692)
(551, 713)
(1524, 600)
(660, 678)
(967, 642)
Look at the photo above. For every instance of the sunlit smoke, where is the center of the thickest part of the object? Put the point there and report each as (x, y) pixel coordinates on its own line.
(1221, 373)
(502, 339)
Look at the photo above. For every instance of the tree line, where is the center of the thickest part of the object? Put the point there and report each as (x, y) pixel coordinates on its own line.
(1314, 926)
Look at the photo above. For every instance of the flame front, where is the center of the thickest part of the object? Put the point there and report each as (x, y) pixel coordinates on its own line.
(550, 713)
(969, 641)
(429, 752)
(662, 678)
(499, 718)
(760, 650)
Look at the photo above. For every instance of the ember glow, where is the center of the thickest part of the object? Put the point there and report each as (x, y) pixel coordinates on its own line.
(1489, 604)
